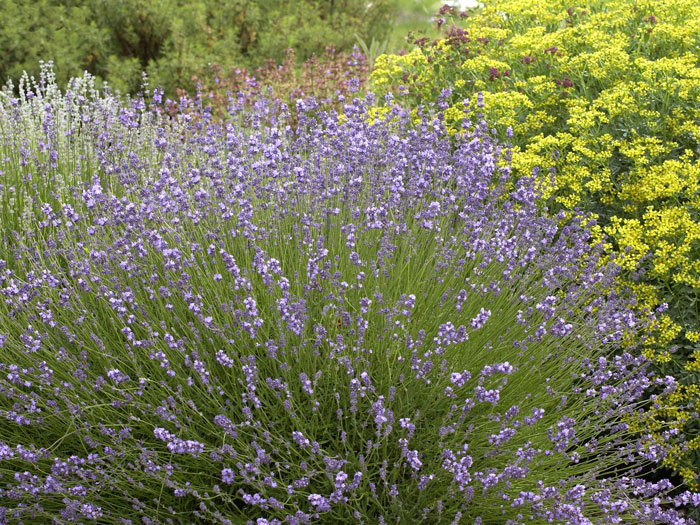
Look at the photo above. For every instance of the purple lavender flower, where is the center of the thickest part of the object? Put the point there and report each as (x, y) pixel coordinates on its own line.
(227, 476)
(480, 319)
(117, 376)
(281, 296)
(320, 503)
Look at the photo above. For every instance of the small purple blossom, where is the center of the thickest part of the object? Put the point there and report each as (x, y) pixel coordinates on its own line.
(117, 376)
(227, 476)
(320, 503)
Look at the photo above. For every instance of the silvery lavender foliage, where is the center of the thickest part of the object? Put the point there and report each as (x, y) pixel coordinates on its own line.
(342, 323)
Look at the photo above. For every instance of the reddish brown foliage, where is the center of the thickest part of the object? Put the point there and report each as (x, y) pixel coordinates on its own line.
(323, 78)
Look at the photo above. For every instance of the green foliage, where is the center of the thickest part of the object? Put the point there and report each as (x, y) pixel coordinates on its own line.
(174, 40)
(375, 49)
(45, 29)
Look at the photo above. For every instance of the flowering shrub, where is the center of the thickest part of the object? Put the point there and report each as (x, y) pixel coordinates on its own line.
(323, 78)
(607, 93)
(346, 322)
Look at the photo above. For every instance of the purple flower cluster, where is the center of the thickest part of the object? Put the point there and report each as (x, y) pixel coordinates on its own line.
(343, 322)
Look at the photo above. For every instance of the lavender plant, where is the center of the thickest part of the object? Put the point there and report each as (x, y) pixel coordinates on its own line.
(345, 322)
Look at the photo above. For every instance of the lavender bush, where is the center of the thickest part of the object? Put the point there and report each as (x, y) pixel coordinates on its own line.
(343, 323)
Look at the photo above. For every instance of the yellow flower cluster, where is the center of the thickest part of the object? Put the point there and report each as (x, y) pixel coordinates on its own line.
(393, 65)
(377, 113)
(608, 93)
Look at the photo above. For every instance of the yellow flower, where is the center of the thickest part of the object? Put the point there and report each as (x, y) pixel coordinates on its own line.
(693, 336)
(377, 113)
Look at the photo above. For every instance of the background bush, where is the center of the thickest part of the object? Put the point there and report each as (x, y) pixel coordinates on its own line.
(324, 78)
(605, 92)
(172, 40)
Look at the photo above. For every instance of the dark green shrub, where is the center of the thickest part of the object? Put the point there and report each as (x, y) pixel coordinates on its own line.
(46, 29)
(173, 40)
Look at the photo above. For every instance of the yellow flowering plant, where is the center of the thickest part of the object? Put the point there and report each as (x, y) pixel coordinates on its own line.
(607, 93)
